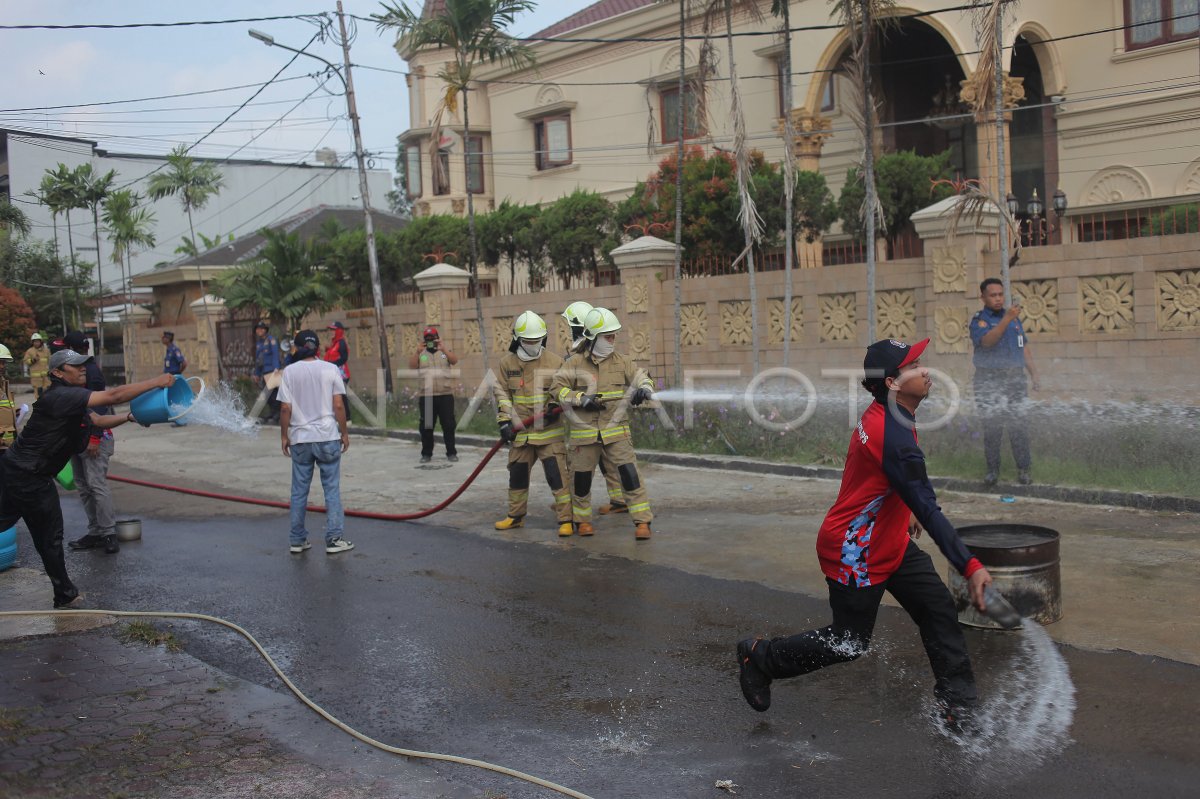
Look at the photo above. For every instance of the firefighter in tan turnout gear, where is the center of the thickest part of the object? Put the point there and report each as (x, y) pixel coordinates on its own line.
(575, 313)
(521, 391)
(37, 358)
(598, 385)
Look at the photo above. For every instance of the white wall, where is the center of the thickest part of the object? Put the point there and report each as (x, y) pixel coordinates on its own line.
(254, 195)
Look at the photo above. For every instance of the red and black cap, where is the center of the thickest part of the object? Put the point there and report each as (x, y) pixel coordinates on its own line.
(430, 332)
(888, 356)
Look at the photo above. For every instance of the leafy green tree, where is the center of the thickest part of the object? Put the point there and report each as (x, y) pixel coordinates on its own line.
(905, 182)
(473, 32)
(579, 233)
(426, 239)
(43, 280)
(62, 193)
(506, 233)
(286, 282)
(189, 248)
(17, 323)
(92, 188)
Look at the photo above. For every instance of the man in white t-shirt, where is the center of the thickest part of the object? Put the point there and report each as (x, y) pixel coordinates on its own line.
(312, 425)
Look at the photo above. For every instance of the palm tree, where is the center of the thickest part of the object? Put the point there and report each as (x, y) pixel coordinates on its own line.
(129, 226)
(286, 283)
(782, 8)
(195, 183)
(859, 18)
(92, 189)
(473, 31)
(59, 185)
(13, 219)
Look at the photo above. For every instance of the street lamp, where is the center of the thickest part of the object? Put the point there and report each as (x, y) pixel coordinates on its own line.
(372, 257)
(1035, 228)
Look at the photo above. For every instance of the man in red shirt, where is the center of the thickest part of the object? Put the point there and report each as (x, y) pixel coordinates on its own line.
(865, 547)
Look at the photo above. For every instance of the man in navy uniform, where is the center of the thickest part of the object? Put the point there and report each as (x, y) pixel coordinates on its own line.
(1001, 360)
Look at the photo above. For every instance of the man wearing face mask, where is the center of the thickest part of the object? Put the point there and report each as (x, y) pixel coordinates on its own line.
(593, 384)
(575, 313)
(520, 392)
(433, 361)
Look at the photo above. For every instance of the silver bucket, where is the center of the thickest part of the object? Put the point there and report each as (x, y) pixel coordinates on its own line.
(1023, 562)
(129, 529)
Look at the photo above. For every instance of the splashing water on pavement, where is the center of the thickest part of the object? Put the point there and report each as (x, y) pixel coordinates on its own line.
(220, 407)
(1027, 719)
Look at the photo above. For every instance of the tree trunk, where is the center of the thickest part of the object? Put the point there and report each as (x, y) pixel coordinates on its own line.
(131, 342)
(743, 181)
(1001, 178)
(212, 336)
(869, 164)
(74, 271)
(99, 285)
(474, 263)
(679, 130)
(789, 182)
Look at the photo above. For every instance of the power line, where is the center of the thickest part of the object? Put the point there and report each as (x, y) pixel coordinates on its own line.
(127, 25)
(148, 99)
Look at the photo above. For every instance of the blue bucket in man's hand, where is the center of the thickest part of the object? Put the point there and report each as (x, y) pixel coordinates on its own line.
(166, 404)
(8, 547)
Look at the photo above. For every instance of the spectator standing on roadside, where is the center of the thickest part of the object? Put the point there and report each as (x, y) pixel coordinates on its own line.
(90, 467)
(338, 351)
(173, 361)
(58, 427)
(433, 361)
(266, 367)
(312, 426)
(1001, 359)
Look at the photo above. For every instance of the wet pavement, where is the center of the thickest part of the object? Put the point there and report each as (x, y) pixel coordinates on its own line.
(601, 664)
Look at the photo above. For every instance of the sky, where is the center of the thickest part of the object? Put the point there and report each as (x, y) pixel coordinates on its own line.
(291, 118)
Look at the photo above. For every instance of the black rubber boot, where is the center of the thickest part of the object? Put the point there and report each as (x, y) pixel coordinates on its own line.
(111, 545)
(88, 541)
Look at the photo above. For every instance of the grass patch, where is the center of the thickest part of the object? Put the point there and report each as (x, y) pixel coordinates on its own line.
(146, 633)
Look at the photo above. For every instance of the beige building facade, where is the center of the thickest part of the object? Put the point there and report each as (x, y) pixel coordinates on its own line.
(1104, 101)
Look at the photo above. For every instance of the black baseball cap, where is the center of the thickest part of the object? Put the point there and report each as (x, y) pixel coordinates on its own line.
(263, 324)
(889, 355)
(336, 326)
(76, 339)
(306, 340)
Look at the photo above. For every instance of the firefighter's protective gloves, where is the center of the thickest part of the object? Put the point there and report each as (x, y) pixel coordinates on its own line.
(640, 396)
(590, 402)
(507, 432)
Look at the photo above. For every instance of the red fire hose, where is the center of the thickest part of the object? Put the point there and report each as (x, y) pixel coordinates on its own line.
(358, 514)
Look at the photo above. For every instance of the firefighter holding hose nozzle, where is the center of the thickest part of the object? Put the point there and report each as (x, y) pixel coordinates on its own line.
(594, 384)
(521, 392)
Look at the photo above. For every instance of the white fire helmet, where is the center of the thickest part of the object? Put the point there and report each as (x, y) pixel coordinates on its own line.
(598, 322)
(576, 312)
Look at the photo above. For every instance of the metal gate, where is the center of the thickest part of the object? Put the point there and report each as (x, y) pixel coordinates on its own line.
(235, 348)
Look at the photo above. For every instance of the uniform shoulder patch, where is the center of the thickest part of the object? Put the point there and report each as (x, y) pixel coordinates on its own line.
(982, 323)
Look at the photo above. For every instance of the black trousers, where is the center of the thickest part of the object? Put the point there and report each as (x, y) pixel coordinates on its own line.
(919, 590)
(439, 408)
(34, 499)
(1000, 395)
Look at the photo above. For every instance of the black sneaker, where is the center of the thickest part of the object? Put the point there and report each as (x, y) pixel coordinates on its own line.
(1024, 478)
(111, 545)
(958, 719)
(88, 541)
(75, 603)
(990, 479)
(426, 458)
(756, 685)
(452, 458)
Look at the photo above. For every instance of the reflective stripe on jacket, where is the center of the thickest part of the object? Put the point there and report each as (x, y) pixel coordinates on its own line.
(522, 389)
(580, 376)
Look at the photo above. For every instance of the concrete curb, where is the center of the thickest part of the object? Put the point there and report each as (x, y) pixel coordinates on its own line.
(1081, 496)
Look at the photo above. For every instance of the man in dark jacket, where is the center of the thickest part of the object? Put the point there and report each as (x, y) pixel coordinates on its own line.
(59, 426)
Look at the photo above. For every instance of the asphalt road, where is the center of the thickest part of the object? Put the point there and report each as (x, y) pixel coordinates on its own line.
(616, 677)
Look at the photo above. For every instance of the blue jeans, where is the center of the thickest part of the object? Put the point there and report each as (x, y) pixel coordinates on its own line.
(327, 455)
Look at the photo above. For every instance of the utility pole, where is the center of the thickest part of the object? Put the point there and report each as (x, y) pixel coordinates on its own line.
(372, 257)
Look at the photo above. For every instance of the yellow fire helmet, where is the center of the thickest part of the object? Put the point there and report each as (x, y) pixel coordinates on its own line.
(530, 326)
(576, 312)
(598, 322)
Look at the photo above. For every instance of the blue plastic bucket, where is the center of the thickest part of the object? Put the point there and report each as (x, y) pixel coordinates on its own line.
(156, 406)
(8, 547)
